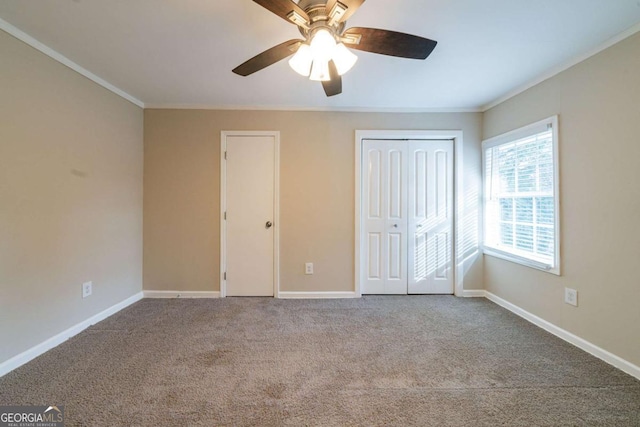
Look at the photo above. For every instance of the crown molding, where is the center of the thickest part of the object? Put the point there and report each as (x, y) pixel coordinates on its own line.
(26, 38)
(563, 67)
(169, 106)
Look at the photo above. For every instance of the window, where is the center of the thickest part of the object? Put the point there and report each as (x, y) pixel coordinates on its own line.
(521, 196)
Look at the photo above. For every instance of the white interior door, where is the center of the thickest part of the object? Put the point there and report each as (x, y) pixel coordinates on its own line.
(250, 222)
(385, 217)
(407, 217)
(430, 198)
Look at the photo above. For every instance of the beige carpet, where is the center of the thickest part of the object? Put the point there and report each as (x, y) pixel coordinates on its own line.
(424, 361)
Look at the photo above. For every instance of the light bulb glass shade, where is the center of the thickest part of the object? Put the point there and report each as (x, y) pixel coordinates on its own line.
(301, 61)
(323, 45)
(343, 58)
(320, 71)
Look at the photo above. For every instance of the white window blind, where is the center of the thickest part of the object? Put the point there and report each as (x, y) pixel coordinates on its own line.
(521, 203)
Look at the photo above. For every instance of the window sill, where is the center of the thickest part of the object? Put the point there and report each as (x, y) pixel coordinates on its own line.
(522, 261)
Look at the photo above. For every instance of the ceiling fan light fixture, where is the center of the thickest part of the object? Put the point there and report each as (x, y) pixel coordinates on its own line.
(343, 58)
(323, 45)
(320, 71)
(301, 61)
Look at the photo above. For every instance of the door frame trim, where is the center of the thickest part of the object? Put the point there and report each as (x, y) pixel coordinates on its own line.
(276, 207)
(458, 197)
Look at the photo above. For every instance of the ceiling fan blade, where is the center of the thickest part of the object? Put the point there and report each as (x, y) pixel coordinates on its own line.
(333, 86)
(391, 43)
(268, 57)
(283, 8)
(352, 6)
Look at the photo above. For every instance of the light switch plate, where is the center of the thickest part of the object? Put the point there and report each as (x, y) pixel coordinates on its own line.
(308, 268)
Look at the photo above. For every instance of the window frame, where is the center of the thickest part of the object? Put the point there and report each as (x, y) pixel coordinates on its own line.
(510, 137)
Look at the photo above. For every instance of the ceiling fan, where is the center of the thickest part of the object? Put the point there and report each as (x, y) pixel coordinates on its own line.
(323, 54)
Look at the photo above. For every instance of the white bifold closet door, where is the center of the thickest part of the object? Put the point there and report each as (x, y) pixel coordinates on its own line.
(407, 217)
(385, 222)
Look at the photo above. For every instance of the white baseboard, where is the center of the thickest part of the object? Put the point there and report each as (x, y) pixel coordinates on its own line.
(181, 294)
(583, 344)
(43, 347)
(474, 293)
(316, 295)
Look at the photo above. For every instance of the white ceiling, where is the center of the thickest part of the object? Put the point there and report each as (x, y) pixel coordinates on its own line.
(181, 53)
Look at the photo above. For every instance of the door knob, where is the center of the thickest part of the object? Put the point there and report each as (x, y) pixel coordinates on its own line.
(268, 224)
(395, 225)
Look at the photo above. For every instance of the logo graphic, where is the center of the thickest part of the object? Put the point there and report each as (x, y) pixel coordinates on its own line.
(53, 408)
(31, 416)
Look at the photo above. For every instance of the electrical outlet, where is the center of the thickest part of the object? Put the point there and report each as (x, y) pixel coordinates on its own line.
(308, 268)
(86, 289)
(571, 296)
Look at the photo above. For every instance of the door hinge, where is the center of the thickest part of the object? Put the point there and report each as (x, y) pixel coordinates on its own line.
(225, 276)
(225, 216)
(225, 155)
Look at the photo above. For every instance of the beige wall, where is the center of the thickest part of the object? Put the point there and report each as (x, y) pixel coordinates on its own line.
(598, 104)
(70, 197)
(182, 192)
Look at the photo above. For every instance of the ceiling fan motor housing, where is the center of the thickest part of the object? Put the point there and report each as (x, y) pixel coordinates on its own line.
(319, 18)
(306, 5)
